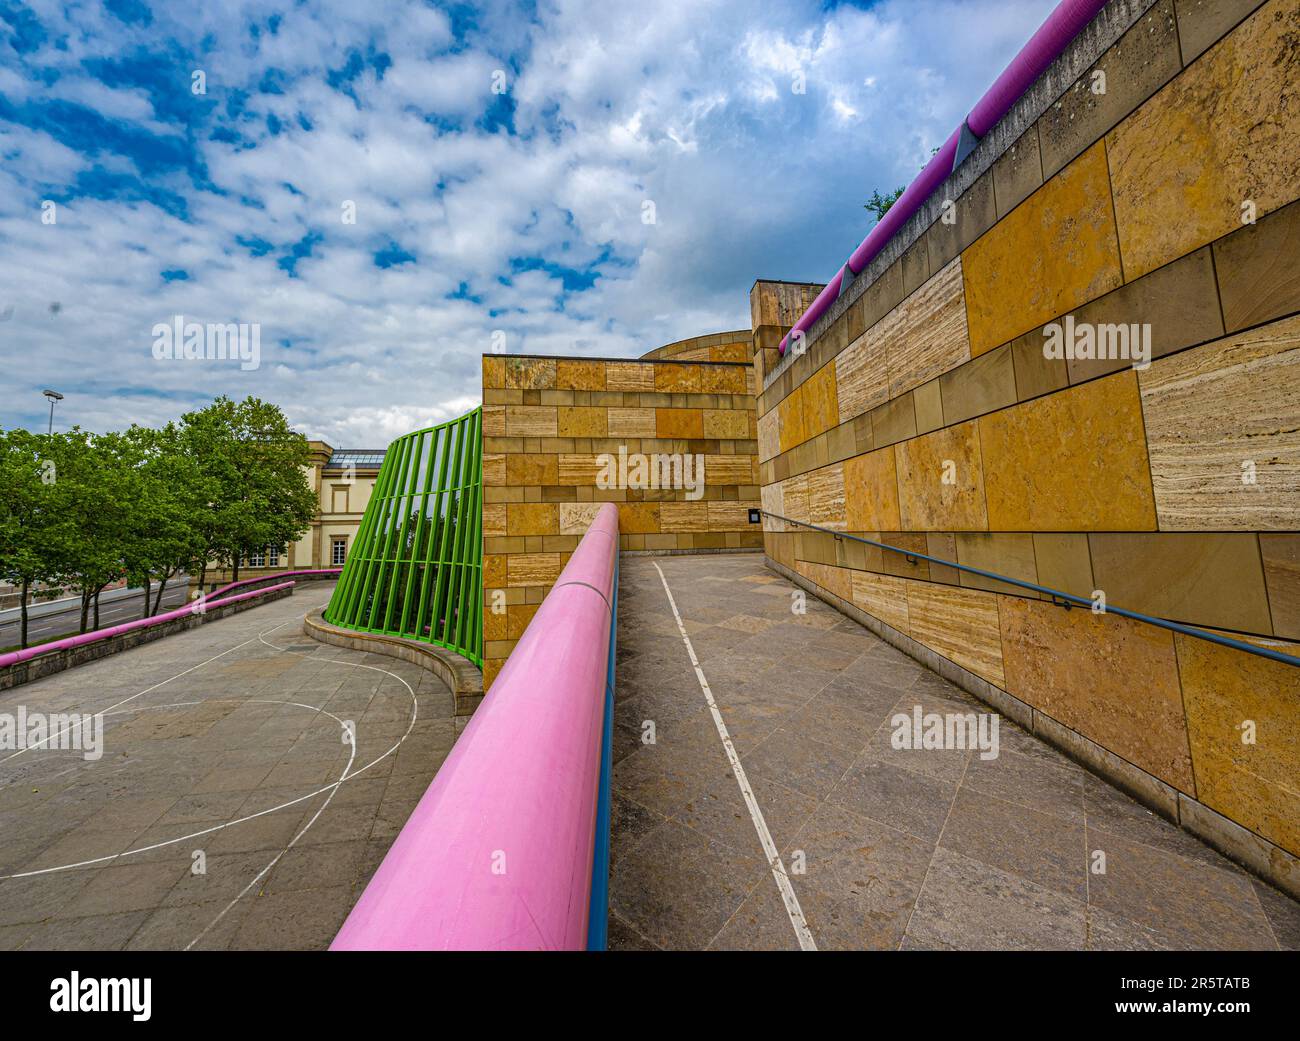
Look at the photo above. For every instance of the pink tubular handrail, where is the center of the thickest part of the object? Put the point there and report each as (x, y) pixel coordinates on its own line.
(1065, 22)
(498, 853)
(82, 639)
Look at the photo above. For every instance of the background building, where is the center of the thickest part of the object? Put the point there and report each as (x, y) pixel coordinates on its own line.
(343, 479)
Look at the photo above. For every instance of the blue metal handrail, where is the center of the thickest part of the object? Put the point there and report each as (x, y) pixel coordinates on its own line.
(1069, 599)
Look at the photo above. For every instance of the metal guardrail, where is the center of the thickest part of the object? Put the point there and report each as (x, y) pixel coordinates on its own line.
(1062, 599)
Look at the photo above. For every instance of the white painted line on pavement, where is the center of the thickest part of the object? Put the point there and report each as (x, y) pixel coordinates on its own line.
(791, 901)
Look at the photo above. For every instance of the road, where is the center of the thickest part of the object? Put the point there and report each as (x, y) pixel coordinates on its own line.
(68, 621)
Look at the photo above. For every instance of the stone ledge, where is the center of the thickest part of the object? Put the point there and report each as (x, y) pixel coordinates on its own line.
(461, 675)
(1253, 852)
(58, 661)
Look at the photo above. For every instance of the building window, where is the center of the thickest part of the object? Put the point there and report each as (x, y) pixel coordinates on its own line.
(338, 551)
(257, 558)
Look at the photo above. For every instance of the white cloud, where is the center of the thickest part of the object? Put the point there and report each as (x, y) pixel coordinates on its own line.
(686, 104)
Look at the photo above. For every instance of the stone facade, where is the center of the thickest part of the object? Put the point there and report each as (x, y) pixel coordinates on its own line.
(926, 414)
(552, 427)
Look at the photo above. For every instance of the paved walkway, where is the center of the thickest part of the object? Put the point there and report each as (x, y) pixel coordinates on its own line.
(883, 848)
(222, 747)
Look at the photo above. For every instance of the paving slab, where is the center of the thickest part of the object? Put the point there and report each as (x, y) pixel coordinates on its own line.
(882, 847)
(228, 809)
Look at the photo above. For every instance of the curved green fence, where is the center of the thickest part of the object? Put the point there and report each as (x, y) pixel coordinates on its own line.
(415, 568)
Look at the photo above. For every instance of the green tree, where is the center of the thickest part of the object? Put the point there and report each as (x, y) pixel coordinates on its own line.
(254, 464)
(879, 204)
(31, 528)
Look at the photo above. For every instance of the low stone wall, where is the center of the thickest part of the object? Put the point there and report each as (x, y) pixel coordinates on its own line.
(455, 670)
(58, 661)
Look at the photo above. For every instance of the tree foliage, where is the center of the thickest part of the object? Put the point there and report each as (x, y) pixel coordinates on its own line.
(82, 510)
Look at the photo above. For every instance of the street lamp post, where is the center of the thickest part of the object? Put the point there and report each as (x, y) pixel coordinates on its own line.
(54, 396)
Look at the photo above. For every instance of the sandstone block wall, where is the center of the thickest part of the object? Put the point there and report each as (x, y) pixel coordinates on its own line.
(548, 423)
(927, 415)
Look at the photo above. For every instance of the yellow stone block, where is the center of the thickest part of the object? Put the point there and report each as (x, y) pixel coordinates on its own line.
(1075, 460)
(532, 518)
(638, 517)
(582, 421)
(862, 377)
(531, 421)
(530, 373)
(578, 469)
(728, 424)
(632, 422)
(533, 569)
(1221, 425)
(821, 404)
(1226, 130)
(674, 378)
(494, 371)
(826, 497)
(1111, 679)
(961, 624)
(494, 419)
(1255, 783)
(729, 469)
(633, 377)
(724, 379)
(531, 471)
(883, 596)
(1053, 252)
(941, 481)
(494, 519)
(871, 492)
(684, 516)
(679, 422)
(579, 375)
(576, 517)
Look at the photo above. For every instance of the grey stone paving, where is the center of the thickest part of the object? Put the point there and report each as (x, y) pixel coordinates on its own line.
(902, 849)
(220, 726)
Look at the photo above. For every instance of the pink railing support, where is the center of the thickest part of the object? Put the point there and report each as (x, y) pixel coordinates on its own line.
(498, 853)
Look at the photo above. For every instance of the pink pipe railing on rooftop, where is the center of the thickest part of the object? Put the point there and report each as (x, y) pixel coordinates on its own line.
(1053, 36)
(196, 607)
(498, 853)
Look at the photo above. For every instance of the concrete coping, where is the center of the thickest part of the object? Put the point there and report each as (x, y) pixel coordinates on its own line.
(459, 673)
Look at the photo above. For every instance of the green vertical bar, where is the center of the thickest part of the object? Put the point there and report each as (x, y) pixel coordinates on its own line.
(437, 626)
(377, 585)
(431, 564)
(402, 550)
(465, 529)
(417, 550)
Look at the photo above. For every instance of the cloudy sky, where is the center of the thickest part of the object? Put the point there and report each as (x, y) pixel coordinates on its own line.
(382, 186)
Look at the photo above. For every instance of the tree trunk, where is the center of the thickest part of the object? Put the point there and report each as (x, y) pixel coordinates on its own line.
(85, 608)
(234, 571)
(157, 601)
(203, 574)
(97, 592)
(22, 638)
(144, 613)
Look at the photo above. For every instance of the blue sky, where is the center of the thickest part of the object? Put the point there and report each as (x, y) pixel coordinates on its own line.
(498, 160)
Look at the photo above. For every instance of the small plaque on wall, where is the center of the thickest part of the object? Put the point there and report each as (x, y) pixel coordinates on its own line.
(755, 516)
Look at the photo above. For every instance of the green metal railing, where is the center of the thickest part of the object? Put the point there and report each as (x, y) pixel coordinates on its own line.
(415, 569)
